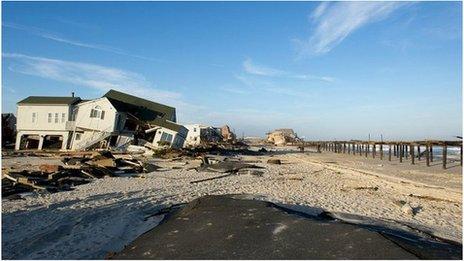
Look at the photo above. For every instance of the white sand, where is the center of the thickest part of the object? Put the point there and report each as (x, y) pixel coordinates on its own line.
(104, 215)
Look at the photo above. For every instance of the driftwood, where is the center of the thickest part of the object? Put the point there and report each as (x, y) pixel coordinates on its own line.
(208, 179)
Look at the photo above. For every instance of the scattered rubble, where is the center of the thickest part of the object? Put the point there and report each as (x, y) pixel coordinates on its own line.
(77, 170)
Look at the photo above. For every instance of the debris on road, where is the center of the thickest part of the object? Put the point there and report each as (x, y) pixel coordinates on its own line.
(274, 161)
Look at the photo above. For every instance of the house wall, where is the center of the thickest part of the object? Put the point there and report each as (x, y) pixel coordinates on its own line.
(84, 121)
(193, 135)
(25, 117)
(178, 138)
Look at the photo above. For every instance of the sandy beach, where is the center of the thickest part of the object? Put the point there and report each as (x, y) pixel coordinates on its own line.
(101, 217)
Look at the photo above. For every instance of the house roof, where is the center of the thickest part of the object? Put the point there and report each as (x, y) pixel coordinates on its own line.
(141, 108)
(50, 100)
(166, 124)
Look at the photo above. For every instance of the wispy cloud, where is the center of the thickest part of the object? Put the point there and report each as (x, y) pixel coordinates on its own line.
(57, 38)
(335, 21)
(235, 90)
(88, 75)
(255, 69)
(252, 68)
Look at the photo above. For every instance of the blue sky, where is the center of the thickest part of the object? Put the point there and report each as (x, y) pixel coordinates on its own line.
(340, 70)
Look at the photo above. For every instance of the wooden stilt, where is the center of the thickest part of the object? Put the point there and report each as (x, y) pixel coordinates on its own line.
(381, 151)
(445, 151)
(427, 155)
(373, 150)
(431, 153)
(401, 152)
(411, 149)
(389, 152)
(418, 152)
(460, 160)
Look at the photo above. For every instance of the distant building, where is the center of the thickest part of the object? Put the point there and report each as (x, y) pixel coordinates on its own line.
(8, 129)
(227, 134)
(201, 134)
(193, 138)
(281, 136)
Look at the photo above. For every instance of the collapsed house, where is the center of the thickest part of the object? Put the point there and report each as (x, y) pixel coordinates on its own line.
(227, 134)
(199, 134)
(281, 136)
(112, 121)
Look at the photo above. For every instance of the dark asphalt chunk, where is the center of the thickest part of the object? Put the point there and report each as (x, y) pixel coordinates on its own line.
(220, 227)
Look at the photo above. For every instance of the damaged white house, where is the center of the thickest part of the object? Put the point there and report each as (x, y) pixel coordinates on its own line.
(114, 120)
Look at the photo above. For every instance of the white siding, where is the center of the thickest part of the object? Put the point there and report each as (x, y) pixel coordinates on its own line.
(83, 119)
(26, 121)
(193, 135)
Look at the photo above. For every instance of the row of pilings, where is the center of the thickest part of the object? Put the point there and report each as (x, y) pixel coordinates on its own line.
(404, 151)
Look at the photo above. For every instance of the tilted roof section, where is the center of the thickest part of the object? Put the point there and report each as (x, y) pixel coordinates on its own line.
(167, 124)
(68, 100)
(141, 108)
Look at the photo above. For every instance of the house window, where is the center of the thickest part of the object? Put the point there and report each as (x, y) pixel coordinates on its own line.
(166, 137)
(49, 118)
(78, 136)
(34, 117)
(97, 113)
(56, 118)
(194, 129)
(63, 117)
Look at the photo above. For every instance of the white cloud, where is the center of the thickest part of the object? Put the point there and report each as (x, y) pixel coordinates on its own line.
(88, 75)
(252, 68)
(54, 37)
(335, 21)
(255, 69)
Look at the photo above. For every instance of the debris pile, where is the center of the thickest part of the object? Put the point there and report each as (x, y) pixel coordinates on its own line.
(281, 137)
(76, 170)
